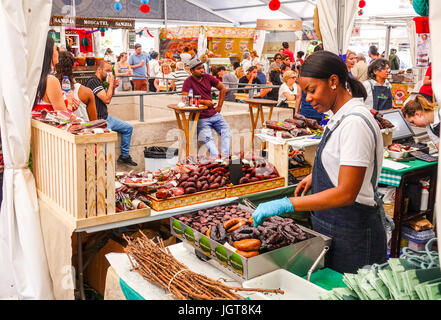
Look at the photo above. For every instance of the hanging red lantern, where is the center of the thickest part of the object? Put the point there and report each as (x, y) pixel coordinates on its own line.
(362, 4)
(274, 5)
(144, 8)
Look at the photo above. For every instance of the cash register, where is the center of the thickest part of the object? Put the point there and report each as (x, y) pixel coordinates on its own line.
(404, 135)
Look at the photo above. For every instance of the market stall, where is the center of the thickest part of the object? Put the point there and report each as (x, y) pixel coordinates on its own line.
(226, 42)
(174, 40)
(83, 36)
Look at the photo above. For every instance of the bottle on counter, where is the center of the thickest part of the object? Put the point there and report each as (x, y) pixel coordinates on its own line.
(190, 98)
(424, 196)
(68, 94)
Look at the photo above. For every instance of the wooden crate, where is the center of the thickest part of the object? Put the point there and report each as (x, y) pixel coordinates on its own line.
(301, 171)
(185, 200)
(75, 175)
(253, 187)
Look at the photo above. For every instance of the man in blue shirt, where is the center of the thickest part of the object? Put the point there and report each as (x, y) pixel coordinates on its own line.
(139, 63)
(260, 75)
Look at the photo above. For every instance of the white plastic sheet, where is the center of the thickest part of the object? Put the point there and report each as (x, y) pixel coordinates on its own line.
(328, 14)
(24, 25)
(435, 25)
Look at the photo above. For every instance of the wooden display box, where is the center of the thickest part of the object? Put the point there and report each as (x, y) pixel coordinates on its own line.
(185, 200)
(301, 171)
(253, 187)
(75, 175)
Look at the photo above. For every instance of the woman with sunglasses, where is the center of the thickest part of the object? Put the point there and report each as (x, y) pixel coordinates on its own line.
(378, 88)
(277, 62)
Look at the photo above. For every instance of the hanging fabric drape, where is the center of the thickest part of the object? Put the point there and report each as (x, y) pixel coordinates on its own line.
(435, 24)
(24, 26)
(202, 42)
(328, 21)
(125, 39)
(260, 41)
(96, 42)
(411, 33)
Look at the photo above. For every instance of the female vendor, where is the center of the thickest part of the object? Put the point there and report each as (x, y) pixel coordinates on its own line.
(422, 113)
(346, 169)
(378, 88)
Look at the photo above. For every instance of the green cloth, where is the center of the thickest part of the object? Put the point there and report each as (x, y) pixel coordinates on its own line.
(128, 292)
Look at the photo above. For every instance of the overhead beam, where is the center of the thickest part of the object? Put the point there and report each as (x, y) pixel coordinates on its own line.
(236, 23)
(255, 6)
(285, 10)
(254, 22)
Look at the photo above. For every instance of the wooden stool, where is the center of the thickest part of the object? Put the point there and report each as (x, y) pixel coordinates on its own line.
(258, 104)
(184, 124)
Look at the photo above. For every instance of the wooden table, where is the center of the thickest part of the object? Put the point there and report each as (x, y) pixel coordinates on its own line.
(184, 124)
(258, 104)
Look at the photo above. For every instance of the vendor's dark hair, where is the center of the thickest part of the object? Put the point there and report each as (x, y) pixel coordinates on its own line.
(46, 68)
(377, 65)
(285, 45)
(154, 55)
(300, 54)
(323, 64)
(64, 67)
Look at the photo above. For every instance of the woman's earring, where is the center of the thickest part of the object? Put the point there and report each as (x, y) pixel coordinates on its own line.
(334, 87)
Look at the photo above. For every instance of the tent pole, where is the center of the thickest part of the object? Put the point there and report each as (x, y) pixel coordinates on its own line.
(387, 42)
(165, 15)
(340, 21)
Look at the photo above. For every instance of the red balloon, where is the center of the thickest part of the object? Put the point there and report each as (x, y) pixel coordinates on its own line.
(362, 4)
(145, 8)
(274, 5)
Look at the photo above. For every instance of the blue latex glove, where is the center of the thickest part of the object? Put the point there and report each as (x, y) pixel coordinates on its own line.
(271, 208)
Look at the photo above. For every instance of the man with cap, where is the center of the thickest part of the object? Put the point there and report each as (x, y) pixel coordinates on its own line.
(139, 63)
(201, 83)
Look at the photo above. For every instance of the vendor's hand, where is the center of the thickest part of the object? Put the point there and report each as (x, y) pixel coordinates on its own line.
(303, 186)
(218, 109)
(271, 208)
(116, 83)
(75, 104)
(141, 63)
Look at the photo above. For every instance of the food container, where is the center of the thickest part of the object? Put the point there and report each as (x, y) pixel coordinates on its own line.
(396, 154)
(294, 287)
(81, 61)
(90, 61)
(253, 187)
(98, 60)
(297, 257)
(185, 200)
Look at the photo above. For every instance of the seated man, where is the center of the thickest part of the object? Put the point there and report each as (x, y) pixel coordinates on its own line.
(251, 78)
(201, 84)
(102, 98)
